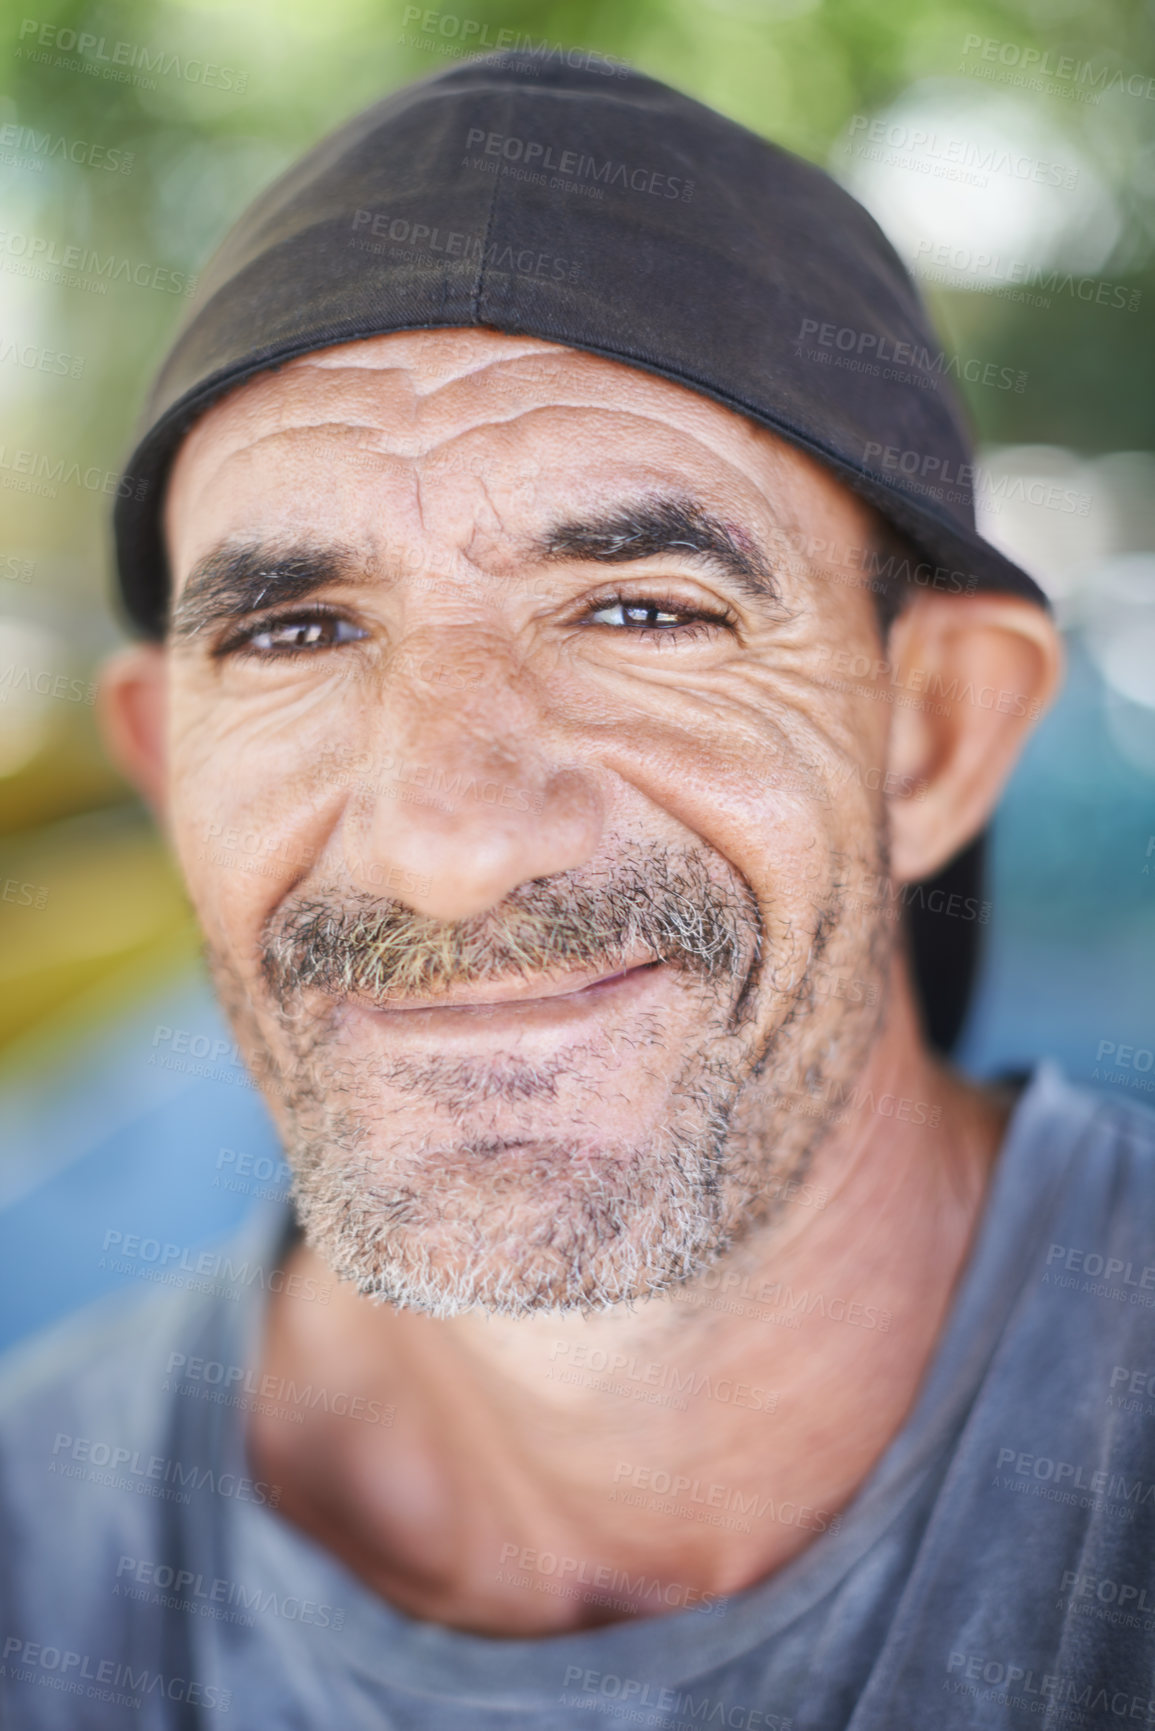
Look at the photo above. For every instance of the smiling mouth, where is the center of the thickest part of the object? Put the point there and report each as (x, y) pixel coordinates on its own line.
(518, 994)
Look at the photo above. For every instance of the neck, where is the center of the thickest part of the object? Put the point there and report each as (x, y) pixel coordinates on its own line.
(700, 1439)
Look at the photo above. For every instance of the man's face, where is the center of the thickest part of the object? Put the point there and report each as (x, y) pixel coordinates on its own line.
(527, 832)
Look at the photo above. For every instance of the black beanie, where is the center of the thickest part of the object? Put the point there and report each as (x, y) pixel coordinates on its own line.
(591, 206)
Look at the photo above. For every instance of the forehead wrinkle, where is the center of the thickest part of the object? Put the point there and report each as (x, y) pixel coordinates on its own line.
(576, 382)
(434, 447)
(215, 538)
(346, 433)
(572, 387)
(378, 397)
(606, 487)
(322, 360)
(515, 357)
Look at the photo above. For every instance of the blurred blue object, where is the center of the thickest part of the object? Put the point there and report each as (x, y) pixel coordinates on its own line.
(149, 1132)
(1068, 970)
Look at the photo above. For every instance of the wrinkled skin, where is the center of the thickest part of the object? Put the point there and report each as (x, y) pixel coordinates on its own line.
(537, 917)
(630, 1143)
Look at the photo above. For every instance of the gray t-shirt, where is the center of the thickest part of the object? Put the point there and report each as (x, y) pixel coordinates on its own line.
(997, 1569)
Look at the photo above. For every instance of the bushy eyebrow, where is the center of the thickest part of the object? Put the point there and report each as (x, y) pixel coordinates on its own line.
(659, 524)
(235, 581)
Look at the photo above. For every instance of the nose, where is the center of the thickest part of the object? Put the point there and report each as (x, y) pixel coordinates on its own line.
(461, 798)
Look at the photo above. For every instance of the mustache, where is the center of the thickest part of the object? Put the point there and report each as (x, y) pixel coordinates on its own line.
(662, 905)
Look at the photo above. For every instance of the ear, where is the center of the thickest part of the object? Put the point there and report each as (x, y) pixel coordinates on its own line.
(985, 668)
(133, 710)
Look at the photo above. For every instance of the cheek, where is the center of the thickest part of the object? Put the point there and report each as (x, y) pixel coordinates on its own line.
(253, 798)
(777, 791)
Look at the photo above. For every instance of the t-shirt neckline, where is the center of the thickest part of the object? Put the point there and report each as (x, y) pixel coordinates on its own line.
(430, 1659)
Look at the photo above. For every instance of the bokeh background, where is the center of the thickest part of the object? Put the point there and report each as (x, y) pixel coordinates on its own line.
(1007, 148)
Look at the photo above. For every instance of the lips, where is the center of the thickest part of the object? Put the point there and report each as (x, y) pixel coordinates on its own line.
(515, 992)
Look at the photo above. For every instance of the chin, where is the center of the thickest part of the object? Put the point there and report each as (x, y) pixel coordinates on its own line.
(522, 1226)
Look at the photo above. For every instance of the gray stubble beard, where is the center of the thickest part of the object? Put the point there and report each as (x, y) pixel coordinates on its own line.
(478, 1220)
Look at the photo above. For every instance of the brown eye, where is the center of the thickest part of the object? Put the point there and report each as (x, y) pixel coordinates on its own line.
(647, 614)
(639, 613)
(295, 635)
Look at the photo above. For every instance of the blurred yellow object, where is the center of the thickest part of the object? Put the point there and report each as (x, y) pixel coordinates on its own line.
(78, 899)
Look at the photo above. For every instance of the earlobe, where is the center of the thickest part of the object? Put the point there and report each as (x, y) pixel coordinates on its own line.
(984, 668)
(132, 710)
